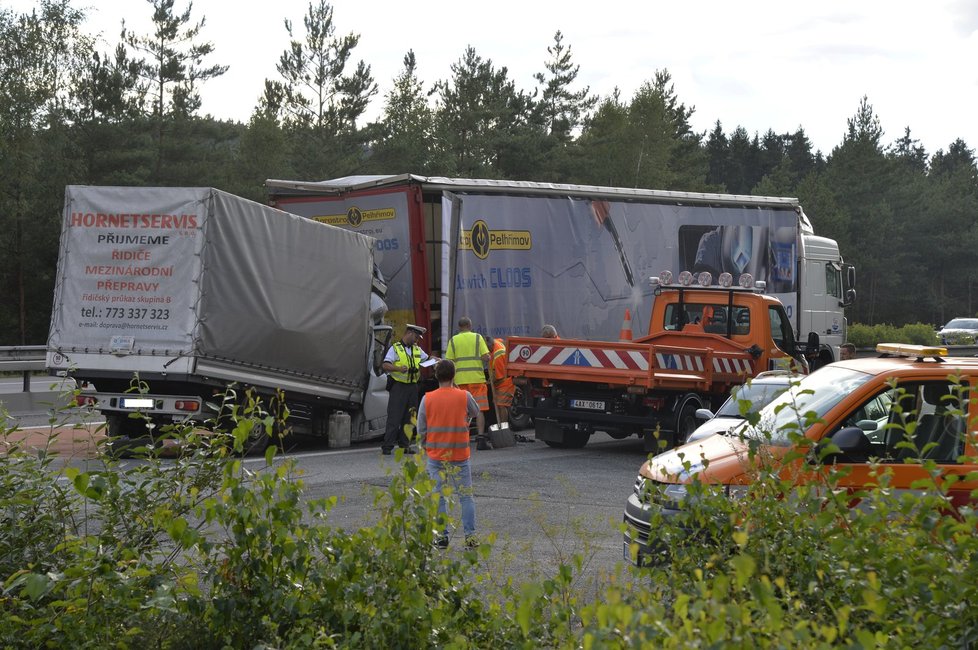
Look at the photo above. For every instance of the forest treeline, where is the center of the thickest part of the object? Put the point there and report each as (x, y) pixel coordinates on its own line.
(72, 112)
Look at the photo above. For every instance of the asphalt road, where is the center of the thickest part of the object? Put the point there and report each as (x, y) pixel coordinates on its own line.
(543, 505)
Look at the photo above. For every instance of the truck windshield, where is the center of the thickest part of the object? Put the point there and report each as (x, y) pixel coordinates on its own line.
(804, 403)
(713, 317)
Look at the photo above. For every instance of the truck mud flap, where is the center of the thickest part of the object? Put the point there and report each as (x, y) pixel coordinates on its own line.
(548, 430)
(656, 441)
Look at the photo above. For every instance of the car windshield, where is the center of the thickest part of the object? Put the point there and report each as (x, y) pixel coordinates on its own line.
(962, 324)
(758, 394)
(805, 402)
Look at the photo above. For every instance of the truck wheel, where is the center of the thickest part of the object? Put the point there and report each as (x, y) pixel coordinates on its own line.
(257, 441)
(686, 421)
(519, 420)
(125, 434)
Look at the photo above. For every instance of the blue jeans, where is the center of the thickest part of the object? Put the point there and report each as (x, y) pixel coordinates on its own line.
(459, 472)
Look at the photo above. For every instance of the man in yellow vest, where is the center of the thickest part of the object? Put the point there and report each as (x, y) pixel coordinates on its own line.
(403, 364)
(469, 352)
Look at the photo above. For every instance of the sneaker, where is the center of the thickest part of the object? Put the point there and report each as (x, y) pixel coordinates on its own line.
(484, 445)
(441, 542)
(387, 451)
(410, 449)
(471, 541)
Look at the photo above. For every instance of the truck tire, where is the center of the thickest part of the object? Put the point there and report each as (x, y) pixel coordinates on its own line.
(519, 420)
(686, 421)
(125, 434)
(257, 442)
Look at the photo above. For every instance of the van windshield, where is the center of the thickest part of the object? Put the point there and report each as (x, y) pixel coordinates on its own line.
(758, 394)
(804, 403)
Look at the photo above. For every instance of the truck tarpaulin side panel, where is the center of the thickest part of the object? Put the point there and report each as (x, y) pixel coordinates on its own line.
(266, 297)
(578, 263)
(385, 217)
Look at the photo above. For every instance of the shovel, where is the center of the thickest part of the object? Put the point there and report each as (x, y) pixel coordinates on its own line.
(499, 434)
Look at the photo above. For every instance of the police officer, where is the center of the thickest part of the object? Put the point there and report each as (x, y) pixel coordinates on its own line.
(469, 352)
(403, 364)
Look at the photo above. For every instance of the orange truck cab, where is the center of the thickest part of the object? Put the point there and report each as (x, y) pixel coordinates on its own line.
(910, 404)
(703, 339)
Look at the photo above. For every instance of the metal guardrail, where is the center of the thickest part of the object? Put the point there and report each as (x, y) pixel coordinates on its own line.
(23, 358)
(31, 358)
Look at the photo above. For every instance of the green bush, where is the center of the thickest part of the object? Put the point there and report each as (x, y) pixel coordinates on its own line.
(867, 336)
(201, 552)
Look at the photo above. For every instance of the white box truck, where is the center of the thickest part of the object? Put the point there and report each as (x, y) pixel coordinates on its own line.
(193, 290)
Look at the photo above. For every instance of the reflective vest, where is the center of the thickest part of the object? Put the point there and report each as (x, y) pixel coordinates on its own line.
(466, 350)
(447, 432)
(501, 382)
(411, 362)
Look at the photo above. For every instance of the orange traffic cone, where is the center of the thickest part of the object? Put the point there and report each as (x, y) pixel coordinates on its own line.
(626, 327)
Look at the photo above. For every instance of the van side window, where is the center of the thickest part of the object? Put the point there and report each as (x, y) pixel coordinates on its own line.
(914, 421)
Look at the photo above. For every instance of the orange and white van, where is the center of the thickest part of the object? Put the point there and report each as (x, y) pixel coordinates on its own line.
(909, 405)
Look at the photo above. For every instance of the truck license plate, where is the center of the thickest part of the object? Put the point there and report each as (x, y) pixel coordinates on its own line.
(136, 403)
(587, 404)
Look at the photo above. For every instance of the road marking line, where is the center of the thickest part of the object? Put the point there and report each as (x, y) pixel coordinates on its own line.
(315, 454)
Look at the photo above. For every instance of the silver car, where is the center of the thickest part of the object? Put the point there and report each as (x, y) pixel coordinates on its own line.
(759, 391)
(959, 331)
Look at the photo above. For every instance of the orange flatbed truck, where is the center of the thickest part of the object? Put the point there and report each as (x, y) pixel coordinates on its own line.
(702, 341)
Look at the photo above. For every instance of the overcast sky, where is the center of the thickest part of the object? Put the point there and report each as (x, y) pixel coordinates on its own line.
(758, 64)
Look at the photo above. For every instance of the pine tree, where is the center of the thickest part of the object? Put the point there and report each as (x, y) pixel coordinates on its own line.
(480, 119)
(718, 153)
(318, 98)
(40, 57)
(563, 110)
(406, 126)
(173, 70)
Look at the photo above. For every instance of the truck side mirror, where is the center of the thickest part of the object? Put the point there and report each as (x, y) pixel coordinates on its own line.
(813, 345)
(851, 278)
(850, 298)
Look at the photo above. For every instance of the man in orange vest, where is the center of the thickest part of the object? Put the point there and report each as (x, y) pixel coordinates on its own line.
(443, 426)
(503, 387)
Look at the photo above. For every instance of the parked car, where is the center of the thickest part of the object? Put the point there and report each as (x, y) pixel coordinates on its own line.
(959, 331)
(760, 391)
